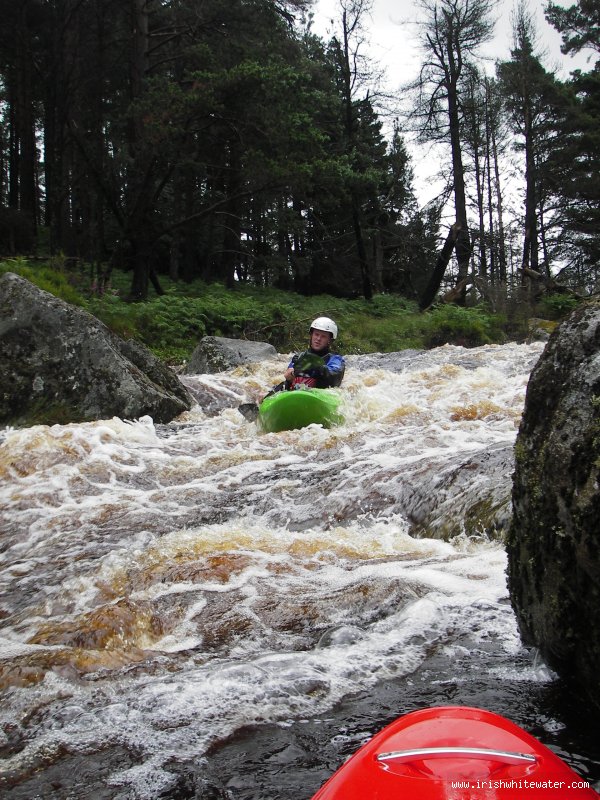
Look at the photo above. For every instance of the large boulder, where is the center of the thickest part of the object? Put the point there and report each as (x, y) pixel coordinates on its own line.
(554, 537)
(60, 364)
(217, 354)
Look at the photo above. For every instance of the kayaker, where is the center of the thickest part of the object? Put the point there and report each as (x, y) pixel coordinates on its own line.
(316, 367)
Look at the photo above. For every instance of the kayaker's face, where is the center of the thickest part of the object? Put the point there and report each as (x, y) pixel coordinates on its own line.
(319, 340)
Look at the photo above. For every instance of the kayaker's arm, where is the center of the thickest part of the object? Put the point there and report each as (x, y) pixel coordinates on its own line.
(335, 367)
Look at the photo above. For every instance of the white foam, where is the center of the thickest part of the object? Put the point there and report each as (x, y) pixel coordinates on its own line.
(271, 575)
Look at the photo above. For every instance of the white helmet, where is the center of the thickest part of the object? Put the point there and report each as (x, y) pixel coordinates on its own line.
(325, 324)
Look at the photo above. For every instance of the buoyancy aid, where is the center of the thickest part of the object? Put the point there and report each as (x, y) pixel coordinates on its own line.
(314, 369)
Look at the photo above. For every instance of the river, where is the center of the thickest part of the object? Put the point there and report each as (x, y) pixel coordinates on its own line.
(201, 610)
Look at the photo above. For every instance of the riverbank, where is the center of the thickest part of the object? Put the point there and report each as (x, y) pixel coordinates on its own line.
(172, 324)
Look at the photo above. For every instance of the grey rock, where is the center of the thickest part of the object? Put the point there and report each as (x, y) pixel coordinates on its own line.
(554, 538)
(60, 364)
(217, 354)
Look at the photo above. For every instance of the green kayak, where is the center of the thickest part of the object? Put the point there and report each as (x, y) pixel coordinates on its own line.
(286, 411)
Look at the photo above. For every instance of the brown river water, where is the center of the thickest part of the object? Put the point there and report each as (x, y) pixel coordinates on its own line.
(200, 610)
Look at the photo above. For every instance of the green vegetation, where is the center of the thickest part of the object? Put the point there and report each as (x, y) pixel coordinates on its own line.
(172, 324)
(49, 276)
(469, 327)
(557, 306)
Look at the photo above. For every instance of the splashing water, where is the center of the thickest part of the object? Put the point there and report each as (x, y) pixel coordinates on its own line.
(167, 589)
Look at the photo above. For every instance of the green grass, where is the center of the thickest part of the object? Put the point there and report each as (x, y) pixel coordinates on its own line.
(46, 277)
(172, 325)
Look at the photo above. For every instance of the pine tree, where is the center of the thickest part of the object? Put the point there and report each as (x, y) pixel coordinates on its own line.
(575, 163)
(452, 33)
(533, 98)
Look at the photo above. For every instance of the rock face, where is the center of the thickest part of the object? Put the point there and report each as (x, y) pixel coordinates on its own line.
(60, 364)
(216, 354)
(554, 538)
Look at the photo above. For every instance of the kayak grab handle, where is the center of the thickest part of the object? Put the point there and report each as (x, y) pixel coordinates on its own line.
(404, 756)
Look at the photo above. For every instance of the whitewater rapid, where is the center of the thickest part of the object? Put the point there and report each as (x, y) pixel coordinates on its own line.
(167, 588)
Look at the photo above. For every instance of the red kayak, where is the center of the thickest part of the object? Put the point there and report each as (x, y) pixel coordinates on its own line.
(454, 753)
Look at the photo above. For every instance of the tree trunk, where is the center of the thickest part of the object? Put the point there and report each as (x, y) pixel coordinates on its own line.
(489, 189)
(378, 260)
(463, 241)
(480, 188)
(439, 270)
(365, 270)
(231, 218)
(22, 150)
(13, 146)
(544, 243)
(500, 248)
(530, 240)
(136, 211)
(350, 125)
(26, 123)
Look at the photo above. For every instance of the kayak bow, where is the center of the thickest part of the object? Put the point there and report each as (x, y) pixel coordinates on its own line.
(454, 753)
(289, 410)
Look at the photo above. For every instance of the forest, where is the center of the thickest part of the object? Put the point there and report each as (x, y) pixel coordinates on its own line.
(223, 141)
